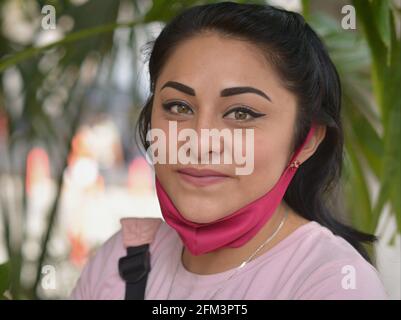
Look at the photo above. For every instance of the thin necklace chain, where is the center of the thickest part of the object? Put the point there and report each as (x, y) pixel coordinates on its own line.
(245, 262)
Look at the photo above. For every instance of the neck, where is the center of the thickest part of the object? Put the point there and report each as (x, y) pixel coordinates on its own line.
(228, 258)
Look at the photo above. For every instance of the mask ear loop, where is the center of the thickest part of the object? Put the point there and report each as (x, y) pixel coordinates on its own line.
(294, 162)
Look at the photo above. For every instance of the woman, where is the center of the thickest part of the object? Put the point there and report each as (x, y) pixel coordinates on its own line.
(264, 235)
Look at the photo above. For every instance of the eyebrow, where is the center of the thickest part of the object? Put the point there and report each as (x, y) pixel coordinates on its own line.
(224, 93)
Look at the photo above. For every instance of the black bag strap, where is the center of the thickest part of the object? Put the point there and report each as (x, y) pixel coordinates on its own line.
(134, 269)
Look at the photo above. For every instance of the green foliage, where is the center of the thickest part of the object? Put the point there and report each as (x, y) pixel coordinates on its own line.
(368, 61)
(4, 279)
(385, 48)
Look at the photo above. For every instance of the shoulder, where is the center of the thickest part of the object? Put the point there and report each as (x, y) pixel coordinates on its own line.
(333, 268)
(100, 277)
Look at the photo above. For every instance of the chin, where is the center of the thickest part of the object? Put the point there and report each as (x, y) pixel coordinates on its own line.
(199, 219)
(202, 213)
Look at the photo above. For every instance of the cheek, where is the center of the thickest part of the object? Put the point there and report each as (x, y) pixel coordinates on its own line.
(158, 122)
(270, 160)
(157, 119)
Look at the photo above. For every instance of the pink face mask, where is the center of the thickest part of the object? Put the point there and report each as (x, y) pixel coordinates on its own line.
(235, 229)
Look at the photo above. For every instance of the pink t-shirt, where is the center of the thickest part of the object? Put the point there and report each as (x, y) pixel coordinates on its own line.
(310, 263)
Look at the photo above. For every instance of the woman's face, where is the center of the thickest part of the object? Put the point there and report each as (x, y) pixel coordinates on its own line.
(209, 64)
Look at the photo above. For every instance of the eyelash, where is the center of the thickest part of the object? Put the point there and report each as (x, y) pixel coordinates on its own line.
(167, 107)
(246, 110)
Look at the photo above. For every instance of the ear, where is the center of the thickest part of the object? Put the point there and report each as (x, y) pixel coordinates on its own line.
(312, 145)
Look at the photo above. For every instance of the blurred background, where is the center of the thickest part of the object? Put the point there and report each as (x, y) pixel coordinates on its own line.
(71, 89)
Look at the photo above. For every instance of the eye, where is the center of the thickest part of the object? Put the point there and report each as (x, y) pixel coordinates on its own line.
(243, 114)
(177, 107)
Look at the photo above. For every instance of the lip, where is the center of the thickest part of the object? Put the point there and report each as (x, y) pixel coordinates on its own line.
(201, 177)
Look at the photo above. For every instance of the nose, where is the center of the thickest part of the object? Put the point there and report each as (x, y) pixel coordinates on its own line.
(210, 143)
